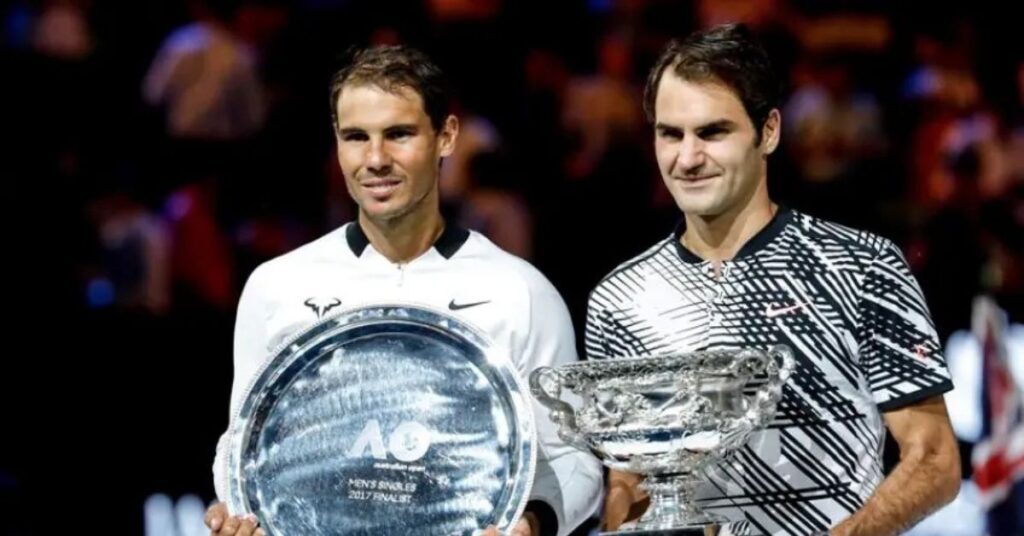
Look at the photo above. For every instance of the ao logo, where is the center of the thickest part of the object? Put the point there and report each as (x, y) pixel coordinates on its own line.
(408, 442)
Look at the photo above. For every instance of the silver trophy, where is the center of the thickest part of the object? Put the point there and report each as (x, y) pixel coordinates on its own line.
(383, 420)
(668, 417)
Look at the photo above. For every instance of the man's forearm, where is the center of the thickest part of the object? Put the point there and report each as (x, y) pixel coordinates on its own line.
(917, 486)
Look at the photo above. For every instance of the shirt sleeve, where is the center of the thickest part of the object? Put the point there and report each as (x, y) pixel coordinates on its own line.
(250, 349)
(900, 352)
(567, 479)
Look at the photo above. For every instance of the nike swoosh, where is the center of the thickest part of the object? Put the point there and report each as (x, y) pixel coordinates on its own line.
(456, 306)
(772, 313)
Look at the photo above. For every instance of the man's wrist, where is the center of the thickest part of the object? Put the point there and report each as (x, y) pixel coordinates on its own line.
(618, 488)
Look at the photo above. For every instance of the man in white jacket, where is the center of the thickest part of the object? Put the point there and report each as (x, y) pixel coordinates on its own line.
(393, 128)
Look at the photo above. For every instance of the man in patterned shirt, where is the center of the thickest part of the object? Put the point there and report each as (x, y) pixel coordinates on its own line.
(740, 271)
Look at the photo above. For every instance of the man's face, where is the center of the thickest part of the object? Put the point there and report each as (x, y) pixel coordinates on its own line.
(389, 152)
(704, 143)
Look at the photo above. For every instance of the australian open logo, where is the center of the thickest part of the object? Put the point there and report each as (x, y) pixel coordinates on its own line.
(408, 442)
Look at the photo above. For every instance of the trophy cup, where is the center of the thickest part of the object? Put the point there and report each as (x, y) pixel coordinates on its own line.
(668, 417)
(383, 420)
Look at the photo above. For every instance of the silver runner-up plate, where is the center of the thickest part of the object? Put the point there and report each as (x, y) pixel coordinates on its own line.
(381, 420)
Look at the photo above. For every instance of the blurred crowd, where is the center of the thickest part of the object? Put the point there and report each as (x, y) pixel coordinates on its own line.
(161, 150)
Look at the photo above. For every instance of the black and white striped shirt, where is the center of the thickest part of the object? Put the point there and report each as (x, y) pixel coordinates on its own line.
(846, 303)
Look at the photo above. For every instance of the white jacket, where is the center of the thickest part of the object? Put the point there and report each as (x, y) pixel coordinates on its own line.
(464, 274)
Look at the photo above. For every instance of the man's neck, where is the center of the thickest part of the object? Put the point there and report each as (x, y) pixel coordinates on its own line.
(403, 239)
(721, 237)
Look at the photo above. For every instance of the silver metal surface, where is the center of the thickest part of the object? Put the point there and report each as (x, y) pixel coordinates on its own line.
(393, 419)
(667, 417)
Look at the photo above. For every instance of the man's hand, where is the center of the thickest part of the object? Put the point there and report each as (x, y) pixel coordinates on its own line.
(222, 524)
(625, 501)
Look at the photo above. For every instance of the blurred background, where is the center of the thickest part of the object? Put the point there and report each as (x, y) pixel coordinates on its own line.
(159, 150)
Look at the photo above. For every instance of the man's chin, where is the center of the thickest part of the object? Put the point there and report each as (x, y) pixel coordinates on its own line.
(381, 214)
(700, 210)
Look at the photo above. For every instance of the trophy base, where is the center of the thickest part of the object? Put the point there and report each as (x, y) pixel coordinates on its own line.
(678, 531)
(673, 510)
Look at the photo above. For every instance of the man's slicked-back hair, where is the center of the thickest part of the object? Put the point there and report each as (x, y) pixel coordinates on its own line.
(393, 68)
(730, 54)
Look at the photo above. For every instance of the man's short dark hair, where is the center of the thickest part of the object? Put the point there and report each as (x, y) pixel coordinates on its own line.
(730, 54)
(393, 68)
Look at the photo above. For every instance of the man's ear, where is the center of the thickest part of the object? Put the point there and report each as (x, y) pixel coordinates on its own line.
(448, 135)
(772, 131)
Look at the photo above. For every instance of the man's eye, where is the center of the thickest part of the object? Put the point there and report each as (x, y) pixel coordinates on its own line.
(713, 133)
(399, 134)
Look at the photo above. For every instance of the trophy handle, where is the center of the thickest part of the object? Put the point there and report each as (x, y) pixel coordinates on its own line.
(781, 364)
(561, 413)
